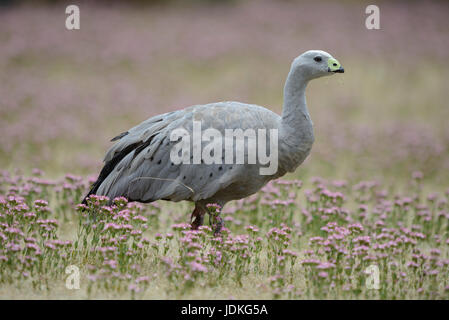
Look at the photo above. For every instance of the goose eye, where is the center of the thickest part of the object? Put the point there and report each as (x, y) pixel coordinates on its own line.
(317, 59)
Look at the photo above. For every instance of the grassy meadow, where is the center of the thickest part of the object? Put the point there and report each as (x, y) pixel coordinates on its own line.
(374, 190)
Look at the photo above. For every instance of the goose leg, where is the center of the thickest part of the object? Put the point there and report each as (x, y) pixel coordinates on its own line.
(217, 222)
(198, 214)
(218, 225)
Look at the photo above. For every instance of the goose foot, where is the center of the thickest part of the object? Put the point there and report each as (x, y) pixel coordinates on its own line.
(218, 225)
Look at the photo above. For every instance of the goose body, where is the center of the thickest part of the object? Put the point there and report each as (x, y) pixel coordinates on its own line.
(139, 166)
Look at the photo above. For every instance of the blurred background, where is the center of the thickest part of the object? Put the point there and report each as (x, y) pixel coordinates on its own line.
(64, 94)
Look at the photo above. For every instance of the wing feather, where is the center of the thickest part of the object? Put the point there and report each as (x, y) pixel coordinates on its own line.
(146, 173)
